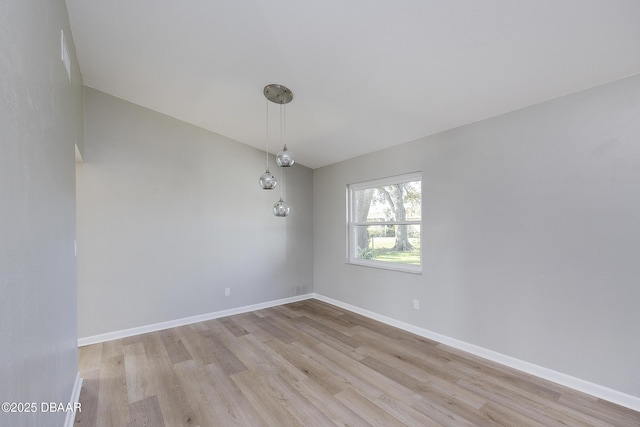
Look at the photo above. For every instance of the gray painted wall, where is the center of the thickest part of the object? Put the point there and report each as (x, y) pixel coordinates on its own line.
(531, 235)
(169, 215)
(40, 120)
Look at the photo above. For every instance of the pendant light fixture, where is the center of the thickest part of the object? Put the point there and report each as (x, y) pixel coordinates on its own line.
(284, 158)
(267, 180)
(281, 208)
(278, 94)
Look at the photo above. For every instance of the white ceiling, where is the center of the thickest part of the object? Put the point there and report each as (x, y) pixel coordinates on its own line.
(366, 74)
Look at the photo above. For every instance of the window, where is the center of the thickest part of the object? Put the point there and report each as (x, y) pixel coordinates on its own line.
(385, 216)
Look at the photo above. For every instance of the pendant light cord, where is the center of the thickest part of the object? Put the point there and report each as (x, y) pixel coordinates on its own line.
(282, 107)
(267, 115)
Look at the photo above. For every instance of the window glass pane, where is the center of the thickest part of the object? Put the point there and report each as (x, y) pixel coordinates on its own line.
(363, 200)
(390, 243)
(384, 223)
(396, 202)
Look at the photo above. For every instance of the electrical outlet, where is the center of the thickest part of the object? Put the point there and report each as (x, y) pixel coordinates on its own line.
(416, 304)
(227, 292)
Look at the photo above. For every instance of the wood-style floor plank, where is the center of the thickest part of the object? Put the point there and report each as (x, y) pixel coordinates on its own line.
(146, 413)
(175, 347)
(313, 364)
(198, 390)
(88, 416)
(230, 399)
(324, 400)
(138, 377)
(174, 403)
(89, 358)
(268, 401)
(368, 410)
(113, 402)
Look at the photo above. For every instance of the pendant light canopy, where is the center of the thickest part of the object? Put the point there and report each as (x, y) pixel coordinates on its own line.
(281, 95)
(278, 94)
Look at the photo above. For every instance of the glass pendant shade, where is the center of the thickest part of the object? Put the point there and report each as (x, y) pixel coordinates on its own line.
(284, 158)
(281, 209)
(268, 181)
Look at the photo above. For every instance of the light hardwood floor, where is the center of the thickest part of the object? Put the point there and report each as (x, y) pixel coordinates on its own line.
(312, 364)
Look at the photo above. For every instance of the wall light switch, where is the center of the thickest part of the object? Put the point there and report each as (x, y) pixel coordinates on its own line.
(227, 292)
(416, 304)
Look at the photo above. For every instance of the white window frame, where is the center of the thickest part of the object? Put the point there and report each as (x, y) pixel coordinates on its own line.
(352, 224)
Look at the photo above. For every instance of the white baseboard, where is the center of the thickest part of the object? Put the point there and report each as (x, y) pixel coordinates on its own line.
(605, 393)
(75, 395)
(109, 336)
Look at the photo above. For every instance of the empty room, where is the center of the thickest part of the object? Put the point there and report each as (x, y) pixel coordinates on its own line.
(211, 213)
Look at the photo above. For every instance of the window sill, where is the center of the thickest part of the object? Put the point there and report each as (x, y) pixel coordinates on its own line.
(403, 268)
